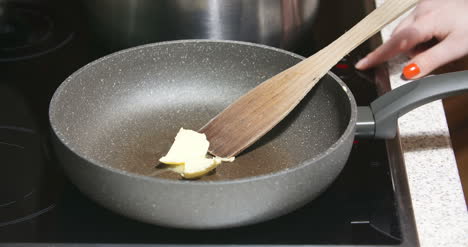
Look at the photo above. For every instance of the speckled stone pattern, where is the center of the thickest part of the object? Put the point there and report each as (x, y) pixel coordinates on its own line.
(124, 110)
(115, 118)
(438, 203)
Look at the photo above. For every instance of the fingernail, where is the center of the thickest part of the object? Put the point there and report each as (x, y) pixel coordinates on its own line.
(411, 70)
(363, 62)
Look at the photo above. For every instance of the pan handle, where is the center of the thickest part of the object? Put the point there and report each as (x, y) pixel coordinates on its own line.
(379, 120)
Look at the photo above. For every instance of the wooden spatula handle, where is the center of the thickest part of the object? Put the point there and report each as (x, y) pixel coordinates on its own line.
(366, 28)
(258, 111)
(369, 26)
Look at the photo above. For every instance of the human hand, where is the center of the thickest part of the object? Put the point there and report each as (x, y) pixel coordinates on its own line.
(434, 34)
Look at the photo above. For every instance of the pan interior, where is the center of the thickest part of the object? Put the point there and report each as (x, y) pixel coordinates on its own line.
(125, 110)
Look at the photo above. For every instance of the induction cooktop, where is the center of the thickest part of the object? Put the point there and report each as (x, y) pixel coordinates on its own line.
(42, 42)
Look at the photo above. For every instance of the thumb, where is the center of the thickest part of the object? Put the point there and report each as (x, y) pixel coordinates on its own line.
(444, 52)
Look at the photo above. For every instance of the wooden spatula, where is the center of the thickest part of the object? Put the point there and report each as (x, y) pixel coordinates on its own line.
(258, 111)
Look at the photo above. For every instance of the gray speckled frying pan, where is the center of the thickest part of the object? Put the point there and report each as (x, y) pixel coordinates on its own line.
(114, 118)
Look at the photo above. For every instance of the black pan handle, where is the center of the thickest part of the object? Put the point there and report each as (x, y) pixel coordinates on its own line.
(379, 120)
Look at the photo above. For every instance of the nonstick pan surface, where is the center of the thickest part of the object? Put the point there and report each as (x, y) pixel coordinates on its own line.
(114, 118)
(124, 111)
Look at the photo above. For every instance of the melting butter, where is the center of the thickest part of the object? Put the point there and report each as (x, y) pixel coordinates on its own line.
(189, 151)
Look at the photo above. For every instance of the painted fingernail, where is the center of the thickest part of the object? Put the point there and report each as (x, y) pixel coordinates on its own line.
(361, 63)
(411, 70)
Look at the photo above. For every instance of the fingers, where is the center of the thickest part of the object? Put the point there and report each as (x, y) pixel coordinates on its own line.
(420, 48)
(388, 49)
(409, 33)
(419, 34)
(438, 55)
(405, 23)
(401, 42)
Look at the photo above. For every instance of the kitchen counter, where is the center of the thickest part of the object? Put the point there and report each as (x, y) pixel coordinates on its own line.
(436, 192)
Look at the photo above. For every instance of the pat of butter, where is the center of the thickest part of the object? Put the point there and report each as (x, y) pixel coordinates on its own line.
(197, 167)
(188, 145)
(189, 149)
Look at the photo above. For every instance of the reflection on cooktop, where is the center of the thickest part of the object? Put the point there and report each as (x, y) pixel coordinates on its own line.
(27, 31)
(21, 172)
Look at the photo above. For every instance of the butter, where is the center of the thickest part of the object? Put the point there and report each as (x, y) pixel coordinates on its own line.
(188, 145)
(219, 159)
(198, 167)
(190, 150)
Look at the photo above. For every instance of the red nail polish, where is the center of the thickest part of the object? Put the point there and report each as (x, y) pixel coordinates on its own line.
(411, 70)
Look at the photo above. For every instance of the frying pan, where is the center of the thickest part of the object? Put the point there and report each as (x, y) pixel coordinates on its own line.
(115, 117)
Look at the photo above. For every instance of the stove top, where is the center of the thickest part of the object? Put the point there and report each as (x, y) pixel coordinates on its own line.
(368, 204)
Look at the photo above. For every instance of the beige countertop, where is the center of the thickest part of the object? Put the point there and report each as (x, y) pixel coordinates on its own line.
(438, 203)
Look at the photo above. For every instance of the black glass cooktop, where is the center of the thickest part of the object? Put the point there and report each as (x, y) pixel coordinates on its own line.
(368, 204)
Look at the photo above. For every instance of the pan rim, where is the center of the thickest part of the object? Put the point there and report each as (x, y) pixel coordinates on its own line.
(347, 133)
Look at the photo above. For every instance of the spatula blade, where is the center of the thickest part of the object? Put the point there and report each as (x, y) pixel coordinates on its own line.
(255, 113)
